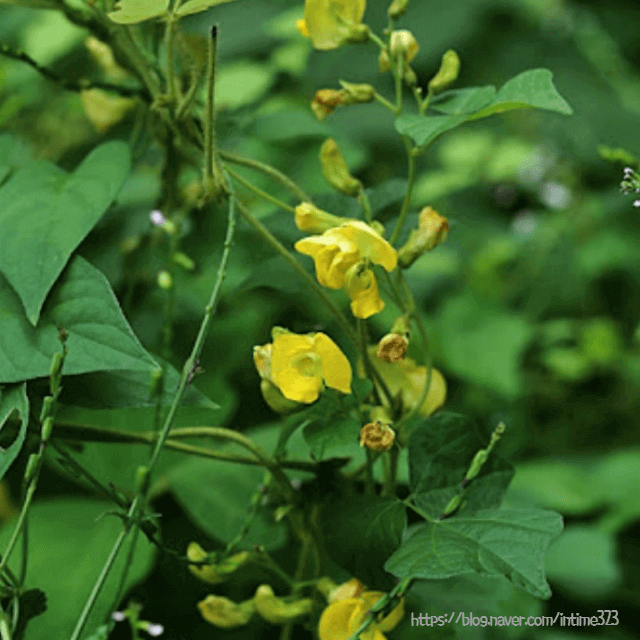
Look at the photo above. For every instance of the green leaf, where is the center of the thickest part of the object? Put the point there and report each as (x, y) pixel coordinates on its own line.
(242, 82)
(215, 494)
(68, 545)
(13, 398)
(504, 542)
(583, 560)
(45, 213)
(84, 304)
(132, 11)
(326, 437)
(440, 452)
(196, 6)
(533, 88)
(361, 532)
(481, 344)
(425, 129)
(464, 101)
(33, 4)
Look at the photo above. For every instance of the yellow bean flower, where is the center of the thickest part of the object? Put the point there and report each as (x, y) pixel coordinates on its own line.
(341, 254)
(331, 23)
(406, 380)
(342, 618)
(302, 364)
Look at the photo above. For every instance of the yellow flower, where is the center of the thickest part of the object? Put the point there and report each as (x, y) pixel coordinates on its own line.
(342, 618)
(214, 573)
(362, 288)
(406, 380)
(338, 249)
(225, 613)
(330, 23)
(277, 610)
(301, 364)
(310, 218)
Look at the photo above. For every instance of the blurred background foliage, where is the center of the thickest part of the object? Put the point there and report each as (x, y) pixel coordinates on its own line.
(532, 304)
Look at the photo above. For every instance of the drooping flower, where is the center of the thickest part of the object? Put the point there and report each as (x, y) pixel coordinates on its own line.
(406, 380)
(277, 610)
(225, 613)
(343, 617)
(348, 246)
(331, 23)
(301, 364)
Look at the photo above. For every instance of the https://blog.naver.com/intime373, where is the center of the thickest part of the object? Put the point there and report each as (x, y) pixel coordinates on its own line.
(604, 617)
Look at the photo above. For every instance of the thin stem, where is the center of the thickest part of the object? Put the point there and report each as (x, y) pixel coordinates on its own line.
(270, 171)
(407, 197)
(91, 433)
(398, 78)
(260, 192)
(132, 515)
(363, 201)
(277, 245)
(168, 43)
(383, 101)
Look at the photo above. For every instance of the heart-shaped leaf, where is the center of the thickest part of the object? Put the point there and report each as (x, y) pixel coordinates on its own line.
(45, 213)
(83, 303)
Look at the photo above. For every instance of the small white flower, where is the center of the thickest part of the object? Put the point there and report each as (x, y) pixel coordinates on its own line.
(155, 630)
(157, 218)
(637, 203)
(118, 616)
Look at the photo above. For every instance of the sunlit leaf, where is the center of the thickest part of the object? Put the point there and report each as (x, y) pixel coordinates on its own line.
(132, 11)
(196, 6)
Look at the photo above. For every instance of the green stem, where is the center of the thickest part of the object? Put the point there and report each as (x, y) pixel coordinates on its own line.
(383, 101)
(168, 43)
(132, 514)
(407, 197)
(91, 433)
(277, 245)
(260, 192)
(363, 201)
(398, 78)
(269, 171)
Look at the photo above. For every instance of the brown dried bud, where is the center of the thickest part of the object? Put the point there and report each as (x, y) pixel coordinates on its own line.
(357, 93)
(335, 169)
(325, 101)
(432, 230)
(392, 347)
(377, 436)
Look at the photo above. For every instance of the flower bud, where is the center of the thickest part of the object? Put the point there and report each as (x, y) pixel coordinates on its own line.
(454, 503)
(392, 347)
(358, 33)
(409, 76)
(335, 170)
(309, 218)
(184, 261)
(377, 436)
(276, 610)
(350, 589)
(275, 399)
(447, 74)
(357, 93)
(214, 573)
(381, 414)
(384, 63)
(397, 9)
(47, 428)
(432, 230)
(325, 102)
(47, 407)
(325, 586)
(225, 613)
(403, 43)
(165, 281)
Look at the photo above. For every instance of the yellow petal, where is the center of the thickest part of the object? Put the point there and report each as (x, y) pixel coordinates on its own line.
(301, 26)
(335, 365)
(370, 244)
(334, 621)
(365, 298)
(295, 386)
(437, 390)
(328, 21)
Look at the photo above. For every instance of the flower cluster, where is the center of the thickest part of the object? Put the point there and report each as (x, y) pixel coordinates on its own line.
(631, 182)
